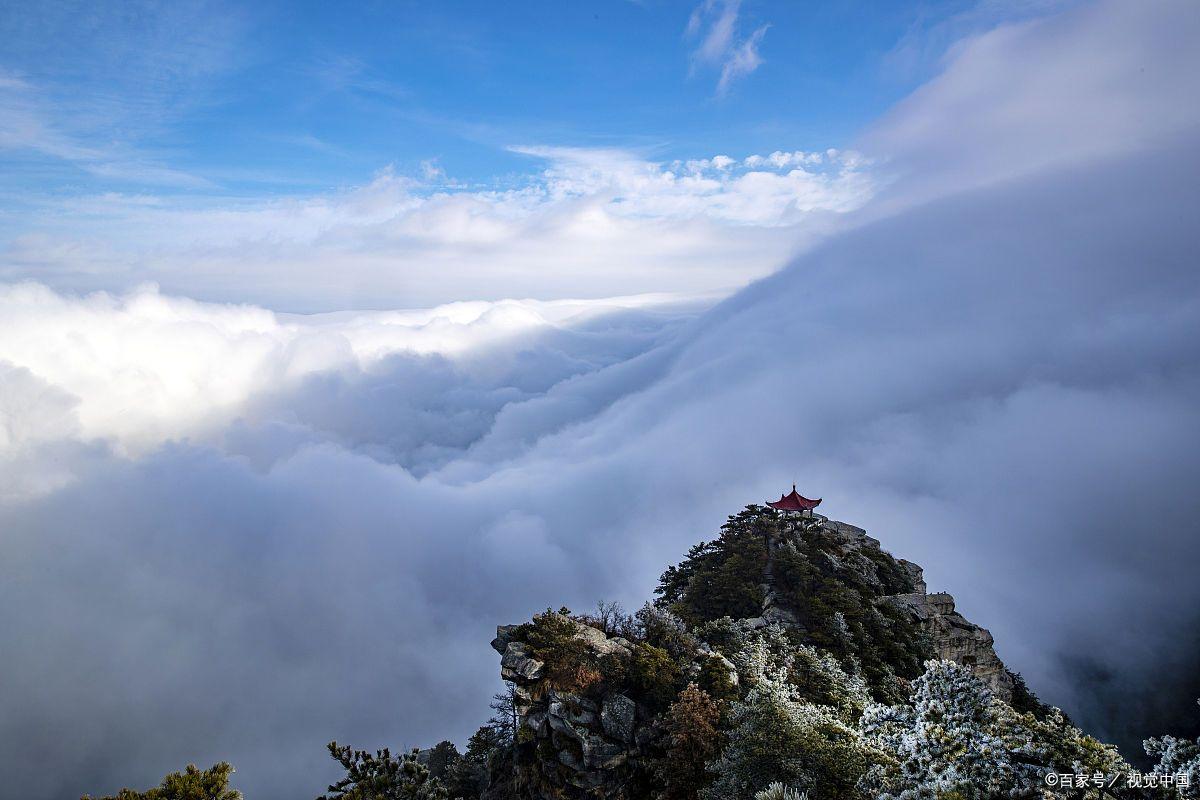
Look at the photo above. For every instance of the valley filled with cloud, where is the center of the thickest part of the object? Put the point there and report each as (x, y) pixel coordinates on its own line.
(242, 512)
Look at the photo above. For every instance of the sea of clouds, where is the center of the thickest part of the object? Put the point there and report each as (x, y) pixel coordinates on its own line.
(232, 533)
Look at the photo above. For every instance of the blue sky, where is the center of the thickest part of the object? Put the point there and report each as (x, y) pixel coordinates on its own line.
(315, 157)
(285, 98)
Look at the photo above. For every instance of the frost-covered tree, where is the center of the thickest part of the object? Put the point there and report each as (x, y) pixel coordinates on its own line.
(382, 777)
(661, 628)
(1065, 748)
(1177, 756)
(955, 739)
(816, 675)
(952, 740)
(777, 791)
(777, 735)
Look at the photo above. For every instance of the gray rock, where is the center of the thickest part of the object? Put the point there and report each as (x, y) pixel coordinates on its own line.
(600, 643)
(955, 638)
(599, 753)
(617, 717)
(518, 666)
(504, 635)
(915, 574)
(573, 713)
(535, 721)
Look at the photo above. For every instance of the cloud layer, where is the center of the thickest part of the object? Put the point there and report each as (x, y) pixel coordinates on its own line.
(252, 532)
(588, 222)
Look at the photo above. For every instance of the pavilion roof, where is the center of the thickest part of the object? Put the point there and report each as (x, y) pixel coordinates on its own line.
(794, 502)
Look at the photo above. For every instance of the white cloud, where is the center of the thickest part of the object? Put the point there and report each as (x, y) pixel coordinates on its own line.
(1086, 90)
(142, 369)
(1000, 383)
(593, 222)
(715, 22)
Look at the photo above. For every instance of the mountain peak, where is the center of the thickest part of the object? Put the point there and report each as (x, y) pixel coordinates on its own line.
(594, 698)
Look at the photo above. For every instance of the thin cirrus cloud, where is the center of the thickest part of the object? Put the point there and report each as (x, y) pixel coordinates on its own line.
(714, 23)
(995, 376)
(97, 87)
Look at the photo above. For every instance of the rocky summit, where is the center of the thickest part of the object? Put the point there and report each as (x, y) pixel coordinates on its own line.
(592, 695)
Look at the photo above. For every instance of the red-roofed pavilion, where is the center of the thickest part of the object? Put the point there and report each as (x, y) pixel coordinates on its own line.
(794, 502)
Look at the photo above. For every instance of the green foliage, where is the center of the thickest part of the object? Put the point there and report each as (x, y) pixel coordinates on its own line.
(382, 777)
(442, 758)
(551, 638)
(692, 739)
(661, 628)
(1024, 700)
(191, 784)
(489, 749)
(714, 679)
(653, 676)
(721, 578)
(724, 634)
(834, 599)
(832, 590)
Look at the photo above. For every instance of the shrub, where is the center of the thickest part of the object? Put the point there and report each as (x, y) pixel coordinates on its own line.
(714, 679)
(611, 619)
(692, 739)
(953, 736)
(442, 758)
(191, 784)
(552, 639)
(653, 676)
(661, 628)
(834, 601)
(1176, 756)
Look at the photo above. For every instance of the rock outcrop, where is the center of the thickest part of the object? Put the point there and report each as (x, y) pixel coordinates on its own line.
(569, 745)
(952, 636)
(955, 639)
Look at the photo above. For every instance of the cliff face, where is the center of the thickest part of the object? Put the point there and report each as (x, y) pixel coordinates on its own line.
(955, 639)
(569, 744)
(590, 703)
(951, 636)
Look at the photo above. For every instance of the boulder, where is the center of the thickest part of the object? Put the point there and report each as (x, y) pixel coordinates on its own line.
(518, 666)
(617, 717)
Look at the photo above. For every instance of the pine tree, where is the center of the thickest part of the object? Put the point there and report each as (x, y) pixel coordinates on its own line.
(382, 776)
(504, 713)
(776, 735)
(191, 784)
(950, 741)
(1175, 757)
(442, 758)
